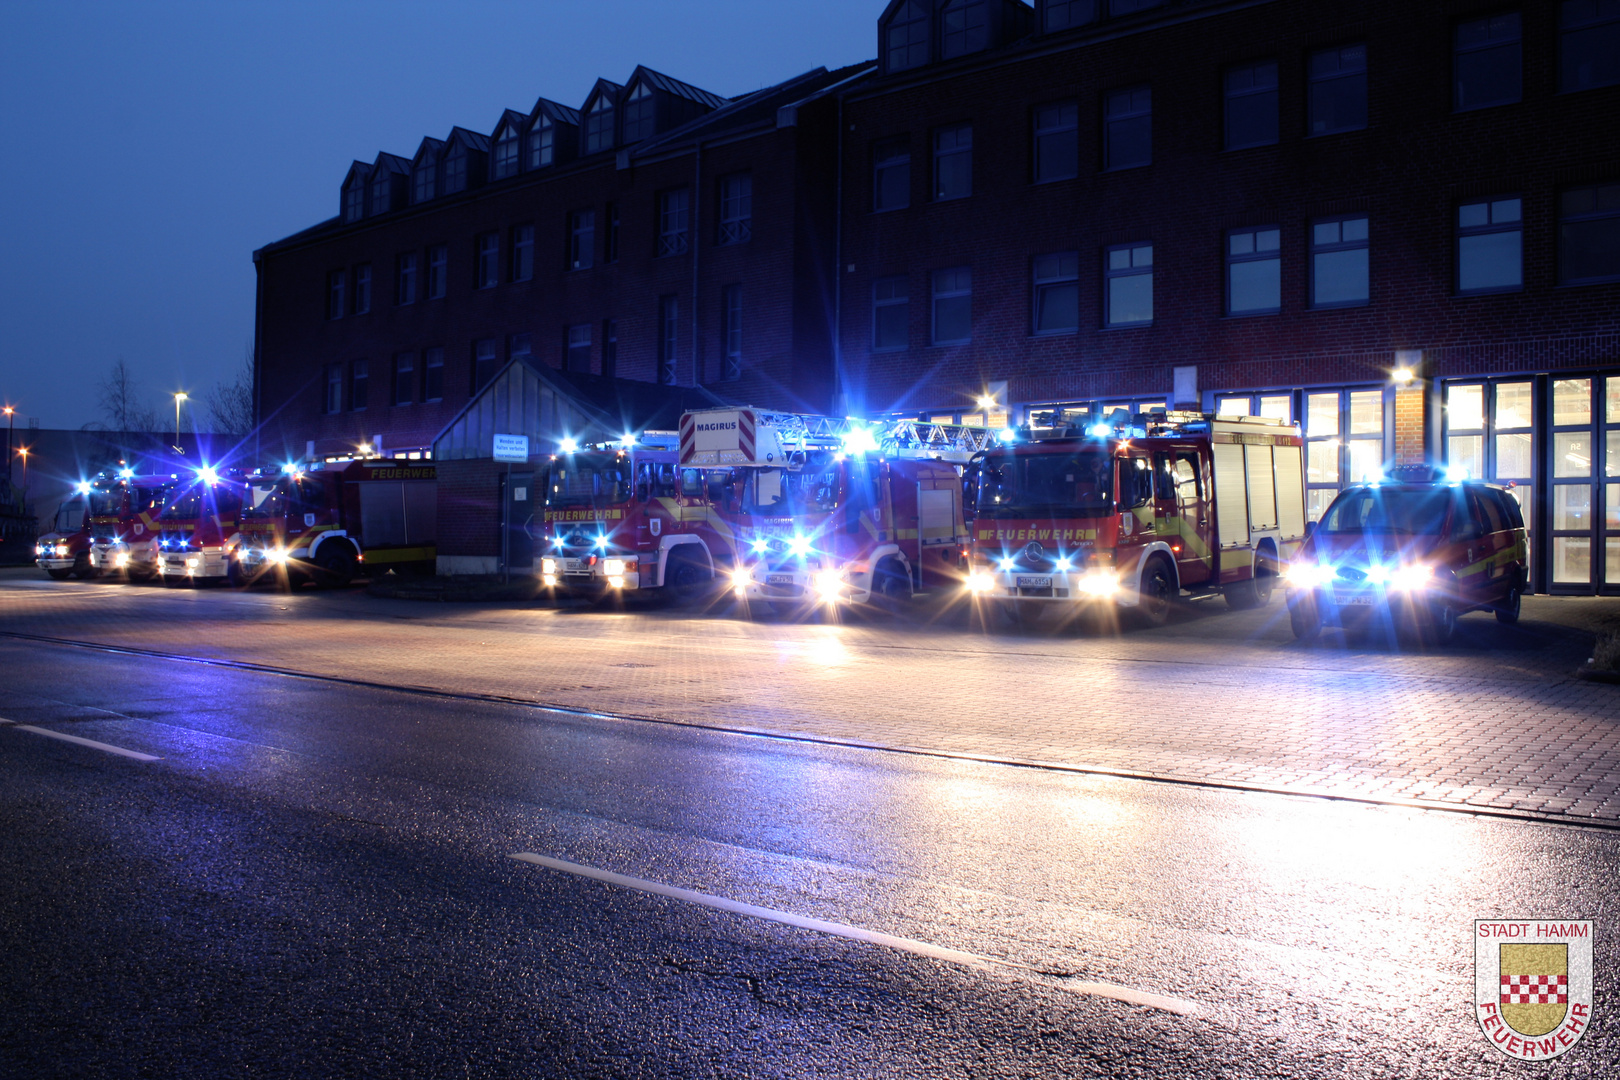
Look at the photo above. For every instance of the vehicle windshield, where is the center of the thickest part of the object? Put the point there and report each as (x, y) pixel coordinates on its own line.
(1387, 510)
(777, 492)
(589, 480)
(105, 503)
(1077, 484)
(264, 502)
(198, 501)
(70, 517)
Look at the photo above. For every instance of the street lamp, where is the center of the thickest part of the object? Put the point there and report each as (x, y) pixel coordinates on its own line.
(22, 452)
(178, 398)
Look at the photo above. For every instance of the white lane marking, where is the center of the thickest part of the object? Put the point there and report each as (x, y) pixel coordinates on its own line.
(136, 754)
(1179, 1006)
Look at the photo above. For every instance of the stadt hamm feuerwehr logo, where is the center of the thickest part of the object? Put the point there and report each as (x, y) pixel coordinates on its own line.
(1533, 984)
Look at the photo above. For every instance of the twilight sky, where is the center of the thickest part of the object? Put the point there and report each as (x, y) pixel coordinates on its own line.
(154, 146)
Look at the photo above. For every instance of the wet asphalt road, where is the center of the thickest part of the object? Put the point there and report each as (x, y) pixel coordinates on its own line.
(315, 879)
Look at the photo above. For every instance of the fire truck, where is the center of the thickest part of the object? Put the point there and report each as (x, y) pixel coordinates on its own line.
(197, 526)
(1136, 511)
(65, 549)
(624, 517)
(124, 509)
(326, 522)
(836, 510)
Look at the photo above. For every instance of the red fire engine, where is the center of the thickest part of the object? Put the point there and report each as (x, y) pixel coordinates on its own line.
(624, 517)
(1136, 511)
(837, 510)
(65, 549)
(323, 521)
(124, 509)
(197, 527)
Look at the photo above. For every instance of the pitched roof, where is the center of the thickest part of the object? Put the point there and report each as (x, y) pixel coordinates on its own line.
(612, 88)
(393, 163)
(470, 139)
(360, 167)
(658, 80)
(560, 114)
(430, 146)
(519, 122)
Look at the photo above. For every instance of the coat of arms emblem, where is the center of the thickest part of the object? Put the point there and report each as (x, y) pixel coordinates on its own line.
(1533, 984)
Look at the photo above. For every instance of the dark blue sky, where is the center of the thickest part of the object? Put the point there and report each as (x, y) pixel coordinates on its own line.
(152, 147)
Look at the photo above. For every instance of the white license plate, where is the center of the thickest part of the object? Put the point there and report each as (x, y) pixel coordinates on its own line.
(779, 579)
(1355, 600)
(1034, 583)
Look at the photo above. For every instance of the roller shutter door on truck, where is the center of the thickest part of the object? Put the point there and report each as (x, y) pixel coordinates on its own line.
(1262, 487)
(1290, 491)
(1231, 498)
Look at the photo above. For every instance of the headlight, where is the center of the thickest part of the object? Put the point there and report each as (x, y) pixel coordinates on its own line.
(1099, 584)
(980, 582)
(61, 552)
(1310, 575)
(1413, 576)
(830, 585)
(276, 555)
(548, 566)
(193, 563)
(740, 578)
(613, 568)
(121, 559)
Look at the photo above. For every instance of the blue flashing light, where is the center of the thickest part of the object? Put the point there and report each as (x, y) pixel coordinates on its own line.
(602, 542)
(1456, 474)
(761, 546)
(208, 474)
(627, 441)
(83, 487)
(1099, 431)
(289, 467)
(1008, 435)
(860, 441)
(1007, 563)
(125, 474)
(799, 546)
(568, 446)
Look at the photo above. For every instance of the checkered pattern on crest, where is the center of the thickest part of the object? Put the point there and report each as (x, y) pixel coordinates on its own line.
(1535, 989)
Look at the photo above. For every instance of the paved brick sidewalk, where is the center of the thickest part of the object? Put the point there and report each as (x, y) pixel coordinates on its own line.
(1497, 721)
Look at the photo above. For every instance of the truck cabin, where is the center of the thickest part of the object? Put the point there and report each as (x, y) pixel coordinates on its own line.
(204, 511)
(270, 502)
(817, 501)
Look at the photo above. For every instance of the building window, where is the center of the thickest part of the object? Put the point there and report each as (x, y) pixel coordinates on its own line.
(577, 347)
(483, 368)
(1057, 141)
(1574, 468)
(963, 27)
(610, 348)
(334, 389)
(1488, 432)
(953, 306)
(433, 375)
(905, 44)
(404, 378)
(523, 253)
(1251, 105)
(354, 201)
(362, 288)
(1117, 8)
(672, 221)
(1490, 246)
(669, 328)
(359, 372)
(1589, 234)
(731, 366)
(382, 193)
(1066, 14)
(1487, 66)
(1339, 275)
(405, 278)
(423, 186)
(1057, 293)
(1128, 279)
(520, 347)
(599, 126)
(640, 114)
(438, 271)
(1338, 90)
(1344, 443)
(582, 239)
(1253, 271)
(953, 162)
(542, 143)
(1128, 128)
(336, 291)
(507, 142)
(610, 249)
(891, 174)
(489, 261)
(455, 169)
(1588, 44)
(891, 313)
(736, 208)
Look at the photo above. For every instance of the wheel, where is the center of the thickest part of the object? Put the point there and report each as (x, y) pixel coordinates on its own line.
(234, 577)
(59, 575)
(1256, 592)
(685, 574)
(1304, 616)
(337, 563)
(83, 570)
(891, 588)
(1508, 612)
(1158, 593)
(1442, 623)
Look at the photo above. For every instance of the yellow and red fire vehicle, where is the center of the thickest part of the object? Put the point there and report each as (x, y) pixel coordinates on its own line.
(197, 528)
(124, 512)
(1136, 511)
(329, 521)
(625, 517)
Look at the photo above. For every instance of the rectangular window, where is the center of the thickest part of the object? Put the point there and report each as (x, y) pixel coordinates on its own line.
(1251, 105)
(953, 306)
(404, 378)
(610, 249)
(731, 367)
(1128, 278)
(1253, 271)
(405, 278)
(542, 138)
(1065, 14)
(1490, 246)
(1339, 273)
(336, 290)
(1337, 94)
(953, 162)
(582, 239)
(362, 288)
(1057, 141)
(906, 44)
(423, 180)
(669, 329)
(891, 313)
(1117, 8)
(334, 389)
(438, 271)
(483, 366)
(359, 372)
(354, 201)
(672, 222)
(520, 347)
(506, 152)
(489, 261)
(1588, 44)
(382, 193)
(599, 126)
(1589, 234)
(577, 345)
(610, 347)
(1487, 64)
(963, 28)
(1057, 293)
(455, 170)
(523, 253)
(736, 208)
(891, 174)
(433, 375)
(1128, 128)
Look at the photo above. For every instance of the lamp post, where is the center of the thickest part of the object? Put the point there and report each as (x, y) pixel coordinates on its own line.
(178, 398)
(22, 452)
(11, 420)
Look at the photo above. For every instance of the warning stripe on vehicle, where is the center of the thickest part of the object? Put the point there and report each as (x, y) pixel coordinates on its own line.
(745, 433)
(688, 437)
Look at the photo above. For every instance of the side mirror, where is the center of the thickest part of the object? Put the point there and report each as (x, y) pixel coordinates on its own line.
(642, 491)
(1310, 529)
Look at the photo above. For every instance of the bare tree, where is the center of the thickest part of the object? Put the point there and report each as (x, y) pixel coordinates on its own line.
(122, 403)
(230, 404)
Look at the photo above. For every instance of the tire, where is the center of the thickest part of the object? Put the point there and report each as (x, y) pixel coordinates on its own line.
(1508, 613)
(59, 575)
(1440, 624)
(1256, 592)
(338, 564)
(1158, 594)
(83, 570)
(685, 575)
(1304, 617)
(891, 588)
(234, 576)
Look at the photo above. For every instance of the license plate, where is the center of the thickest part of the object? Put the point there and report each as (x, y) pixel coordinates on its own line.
(1034, 583)
(779, 579)
(1355, 600)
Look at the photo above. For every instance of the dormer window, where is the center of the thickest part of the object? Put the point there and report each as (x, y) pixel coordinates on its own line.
(455, 169)
(382, 193)
(963, 28)
(599, 125)
(905, 42)
(542, 139)
(506, 151)
(1064, 14)
(423, 186)
(354, 201)
(640, 114)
